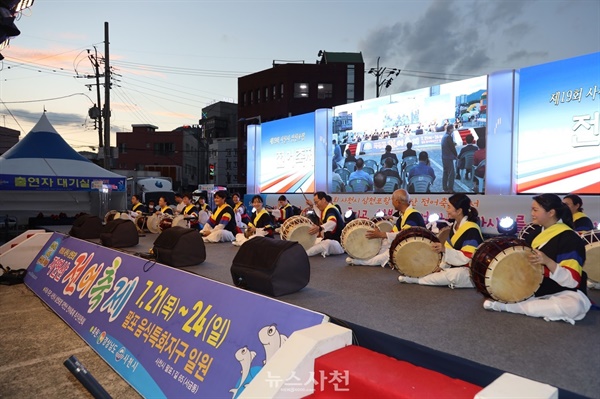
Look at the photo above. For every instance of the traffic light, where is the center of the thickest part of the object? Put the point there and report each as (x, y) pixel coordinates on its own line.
(211, 171)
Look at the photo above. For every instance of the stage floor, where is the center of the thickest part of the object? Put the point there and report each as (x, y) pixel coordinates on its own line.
(451, 321)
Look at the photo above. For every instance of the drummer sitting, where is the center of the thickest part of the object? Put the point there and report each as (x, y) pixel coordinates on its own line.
(163, 207)
(330, 230)
(285, 209)
(465, 237)
(221, 226)
(410, 217)
(189, 211)
(260, 226)
(136, 205)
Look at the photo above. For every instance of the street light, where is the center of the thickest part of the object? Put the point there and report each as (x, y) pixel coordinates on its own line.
(251, 118)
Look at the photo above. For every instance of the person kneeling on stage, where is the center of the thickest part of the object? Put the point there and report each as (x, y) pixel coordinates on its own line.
(561, 252)
(330, 230)
(260, 226)
(220, 227)
(465, 237)
(189, 211)
(164, 207)
(409, 217)
(286, 210)
(581, 222)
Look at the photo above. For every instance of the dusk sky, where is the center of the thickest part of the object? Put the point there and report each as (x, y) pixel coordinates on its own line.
(175, 57)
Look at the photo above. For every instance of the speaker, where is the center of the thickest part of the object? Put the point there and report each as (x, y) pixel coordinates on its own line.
(271, 267)
(86, 226)
(179, 246)
(119, 233)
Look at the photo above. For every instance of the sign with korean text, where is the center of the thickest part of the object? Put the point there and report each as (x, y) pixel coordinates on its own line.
(58, 183)
(168, 332)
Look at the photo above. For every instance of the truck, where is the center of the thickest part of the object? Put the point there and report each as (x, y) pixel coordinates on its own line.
(151, 189)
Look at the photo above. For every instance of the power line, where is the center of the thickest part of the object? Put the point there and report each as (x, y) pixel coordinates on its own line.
(49, 99)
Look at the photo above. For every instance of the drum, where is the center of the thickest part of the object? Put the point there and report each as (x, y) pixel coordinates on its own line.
(111, 215)
(166, 223)
(296, 229)
(153, 223)
(203, 217)
(140, 222)
(383, 224)
(128, 215)
(500, 269)
(592, 254)
(180, 221)
(411, 253)
(529, 232)
(355, 243)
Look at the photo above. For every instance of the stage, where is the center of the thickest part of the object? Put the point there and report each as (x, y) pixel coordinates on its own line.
(451, 321)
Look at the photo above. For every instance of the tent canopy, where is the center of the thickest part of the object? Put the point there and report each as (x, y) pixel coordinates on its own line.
(43, 160)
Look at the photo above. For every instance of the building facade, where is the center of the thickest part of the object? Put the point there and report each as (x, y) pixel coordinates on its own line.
(289, 89)
(173, 153)
(8, 138)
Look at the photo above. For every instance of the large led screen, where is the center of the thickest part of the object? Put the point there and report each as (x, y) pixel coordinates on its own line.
(287, 160)
(558, 146)
(412, 123)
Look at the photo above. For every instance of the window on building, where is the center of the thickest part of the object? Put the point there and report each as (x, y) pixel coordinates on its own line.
(122, 149)
(281, 90)
(324, 90)
(251, 97)
(350, 84)
(266, 94)
(245, 99)
(300, 90)
(258, 96)
(164, 149)
(274, 96)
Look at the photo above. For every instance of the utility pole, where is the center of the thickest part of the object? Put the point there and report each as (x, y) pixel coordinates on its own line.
(106, 112)
(379, 72)
(99, 119)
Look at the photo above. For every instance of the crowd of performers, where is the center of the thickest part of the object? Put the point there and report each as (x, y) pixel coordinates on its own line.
(553, 238)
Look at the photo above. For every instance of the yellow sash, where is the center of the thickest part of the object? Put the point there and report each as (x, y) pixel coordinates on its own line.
(578, 215)
(258, 216)
(218, 211)
(405, 216)
(549, 233)
(188, 208)
(466, 225)
(325, 211)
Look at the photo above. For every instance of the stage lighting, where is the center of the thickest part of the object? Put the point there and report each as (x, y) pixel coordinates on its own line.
(350, 215)
(507, 226)
(434, 217)
(379, 214)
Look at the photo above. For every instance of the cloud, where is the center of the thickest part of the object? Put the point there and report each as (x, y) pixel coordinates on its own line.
(176, 115)
(455, 39)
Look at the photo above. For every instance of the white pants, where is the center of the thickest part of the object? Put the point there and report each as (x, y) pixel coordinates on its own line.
(380, 259)
(325, 247)
(568, 306)
(454, 277)
(219, 236)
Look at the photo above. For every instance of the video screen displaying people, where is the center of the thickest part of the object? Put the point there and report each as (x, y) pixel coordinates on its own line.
(429, 140)
(558, 127)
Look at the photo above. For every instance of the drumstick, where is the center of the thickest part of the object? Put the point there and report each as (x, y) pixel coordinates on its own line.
(300, 188)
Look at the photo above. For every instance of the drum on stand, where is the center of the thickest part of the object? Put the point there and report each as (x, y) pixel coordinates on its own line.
(592, 254)
(354, 241)
(140, 222)
(296, 229)
(166, 222)
(411, 253)
(180, 221)
(153, 223)
(111, 215)
(384, 225)
(500, 269)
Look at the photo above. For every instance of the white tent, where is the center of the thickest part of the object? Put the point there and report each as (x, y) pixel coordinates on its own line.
(42, 173)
